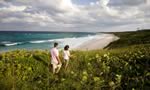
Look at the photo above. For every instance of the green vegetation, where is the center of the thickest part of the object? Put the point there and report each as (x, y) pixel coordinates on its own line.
(125, 68)
(130, 38)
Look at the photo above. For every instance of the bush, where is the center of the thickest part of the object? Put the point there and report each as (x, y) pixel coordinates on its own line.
(123, 68)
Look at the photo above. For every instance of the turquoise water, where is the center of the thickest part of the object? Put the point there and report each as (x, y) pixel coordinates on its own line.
(41, 40)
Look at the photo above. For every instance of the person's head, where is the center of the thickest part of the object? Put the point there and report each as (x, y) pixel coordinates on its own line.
(66, 47)
(55, 44)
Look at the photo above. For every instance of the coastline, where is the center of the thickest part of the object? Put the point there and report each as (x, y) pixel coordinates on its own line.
(97, 43)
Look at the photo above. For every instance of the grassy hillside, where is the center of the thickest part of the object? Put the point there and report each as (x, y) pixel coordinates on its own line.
(130, 38)
(124, 68)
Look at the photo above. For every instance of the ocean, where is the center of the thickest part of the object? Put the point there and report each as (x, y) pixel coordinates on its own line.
(42, 40)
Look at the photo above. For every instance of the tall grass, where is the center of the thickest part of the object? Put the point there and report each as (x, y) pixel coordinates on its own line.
(122, 68)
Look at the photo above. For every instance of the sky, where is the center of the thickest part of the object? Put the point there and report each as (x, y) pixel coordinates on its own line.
(74, 15)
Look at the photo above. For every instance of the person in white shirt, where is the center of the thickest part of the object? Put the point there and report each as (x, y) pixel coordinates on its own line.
(55, 60)
(66, 55)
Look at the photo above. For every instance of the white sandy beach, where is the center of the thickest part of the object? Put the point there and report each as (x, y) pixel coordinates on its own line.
(98, 43)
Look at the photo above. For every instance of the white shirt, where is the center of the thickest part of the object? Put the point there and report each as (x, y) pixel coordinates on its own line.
(54, 54)
(66, 54)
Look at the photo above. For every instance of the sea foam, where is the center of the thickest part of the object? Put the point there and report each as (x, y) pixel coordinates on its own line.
(73, 42)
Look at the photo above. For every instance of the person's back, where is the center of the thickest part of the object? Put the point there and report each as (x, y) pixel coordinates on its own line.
(66, 54)
(54, 54)
(55, 61)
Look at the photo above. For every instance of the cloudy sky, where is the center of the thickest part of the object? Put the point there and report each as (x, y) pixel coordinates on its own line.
(74, 15)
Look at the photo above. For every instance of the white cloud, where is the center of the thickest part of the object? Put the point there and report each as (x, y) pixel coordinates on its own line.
(10, 19)
(148, 2)
(13, 8)
(104, 2)
(65, 15)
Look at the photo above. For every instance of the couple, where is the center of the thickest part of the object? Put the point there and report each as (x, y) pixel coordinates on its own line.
(55, 60)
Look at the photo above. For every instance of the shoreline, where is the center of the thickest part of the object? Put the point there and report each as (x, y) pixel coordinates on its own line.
(97, 43)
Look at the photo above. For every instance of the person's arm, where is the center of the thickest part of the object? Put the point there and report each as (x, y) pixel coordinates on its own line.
(58, 59)
(69, 53)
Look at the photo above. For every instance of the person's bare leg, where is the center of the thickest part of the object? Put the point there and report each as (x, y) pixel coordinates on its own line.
(54, 67)
(67, 62)
(58, 68)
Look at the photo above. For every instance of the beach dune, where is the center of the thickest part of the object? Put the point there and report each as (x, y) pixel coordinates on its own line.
(98, 43)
